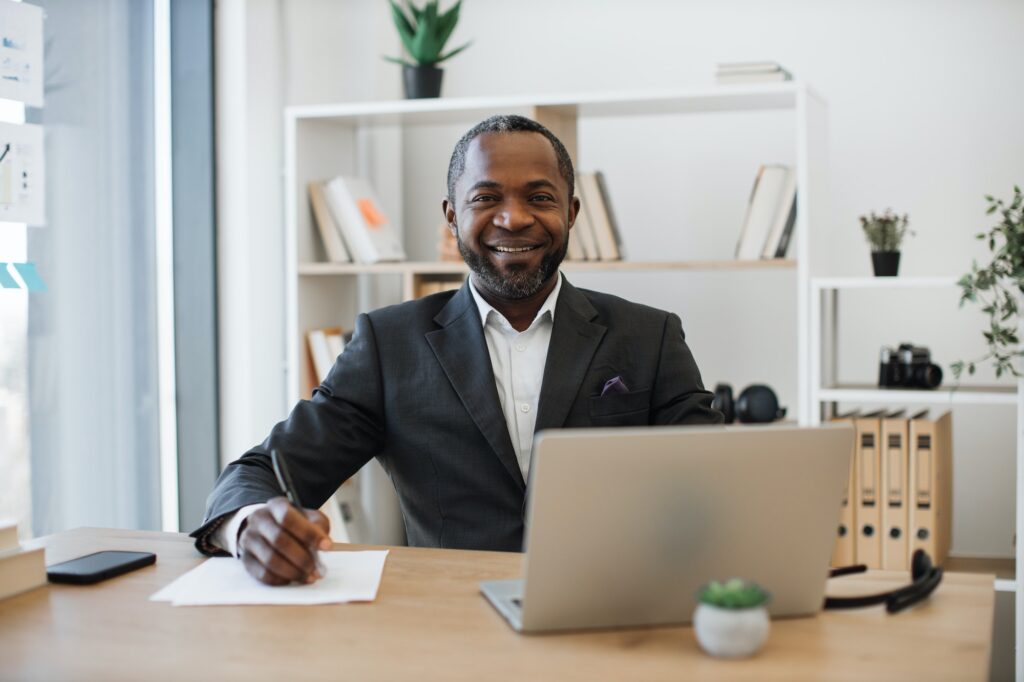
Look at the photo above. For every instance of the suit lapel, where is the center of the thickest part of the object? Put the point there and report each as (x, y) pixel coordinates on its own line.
(461, 350)
(574, 340)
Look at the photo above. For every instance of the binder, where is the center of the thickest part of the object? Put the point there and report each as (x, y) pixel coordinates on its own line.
(867, 508)
(895, 470)
(844, 553)
(931, 476)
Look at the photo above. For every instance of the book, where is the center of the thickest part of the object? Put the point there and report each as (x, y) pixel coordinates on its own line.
(21, 570)
(575, 248)
(738, 78)
(584, 228)
(321, 350)
(368, 232)
(605, 243)
(613, 225)
(8, 536)
(777, 241)
(749, 67)
(330, 235)
(762, 209)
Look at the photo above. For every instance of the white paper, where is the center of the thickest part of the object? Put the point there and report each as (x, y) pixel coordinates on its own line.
(22, 181)
(351, 576)
(21, 52)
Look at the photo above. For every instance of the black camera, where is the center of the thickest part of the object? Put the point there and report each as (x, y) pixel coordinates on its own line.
(908, 366)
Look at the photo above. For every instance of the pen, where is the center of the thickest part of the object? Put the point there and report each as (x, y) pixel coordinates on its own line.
(284, 479)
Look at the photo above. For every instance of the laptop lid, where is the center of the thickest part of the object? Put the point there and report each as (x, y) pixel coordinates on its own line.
(625, 525)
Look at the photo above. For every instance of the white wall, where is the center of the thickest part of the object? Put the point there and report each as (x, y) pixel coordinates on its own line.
(924, 116)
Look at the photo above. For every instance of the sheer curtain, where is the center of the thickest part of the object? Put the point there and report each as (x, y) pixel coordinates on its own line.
(92, 338)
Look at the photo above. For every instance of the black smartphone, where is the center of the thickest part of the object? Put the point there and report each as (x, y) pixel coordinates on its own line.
(98, 566)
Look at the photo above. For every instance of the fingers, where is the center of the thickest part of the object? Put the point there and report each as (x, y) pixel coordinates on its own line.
(279, 544)
(323, 523)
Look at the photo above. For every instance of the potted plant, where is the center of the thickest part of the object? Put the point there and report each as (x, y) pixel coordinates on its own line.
(731, 620)
(997, 287)
(424, 32)
(885, 234)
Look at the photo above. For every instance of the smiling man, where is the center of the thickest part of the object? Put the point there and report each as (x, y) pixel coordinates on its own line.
(447, 391)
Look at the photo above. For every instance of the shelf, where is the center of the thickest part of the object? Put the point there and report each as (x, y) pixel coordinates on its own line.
(1002, 568)
(964, 395)
(828, 283)
(456, 268)
(722, 98)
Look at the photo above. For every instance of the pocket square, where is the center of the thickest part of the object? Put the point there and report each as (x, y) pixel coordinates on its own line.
(613, 386)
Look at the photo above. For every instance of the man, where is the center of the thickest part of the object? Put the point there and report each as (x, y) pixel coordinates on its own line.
(447, 391)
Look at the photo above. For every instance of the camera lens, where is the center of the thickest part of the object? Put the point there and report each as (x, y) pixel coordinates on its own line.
(927, 376)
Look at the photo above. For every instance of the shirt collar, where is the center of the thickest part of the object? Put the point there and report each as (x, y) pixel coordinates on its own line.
(486, 308)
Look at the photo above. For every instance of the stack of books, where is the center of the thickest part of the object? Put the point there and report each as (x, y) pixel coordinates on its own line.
(899, 497)
(595, 236)
(20, 569)
(771, 215)
(352, 224)
(733, 73)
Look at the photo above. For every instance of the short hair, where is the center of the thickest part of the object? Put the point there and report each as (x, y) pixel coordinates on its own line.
(507, 123)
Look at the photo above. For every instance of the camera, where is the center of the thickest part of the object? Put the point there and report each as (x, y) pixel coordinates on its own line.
(908, 366)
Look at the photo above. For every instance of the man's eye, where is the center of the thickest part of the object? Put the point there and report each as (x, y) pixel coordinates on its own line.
(484, 197)
(542, 197)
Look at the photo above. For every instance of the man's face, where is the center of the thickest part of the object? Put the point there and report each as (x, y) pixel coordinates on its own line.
(512, 213)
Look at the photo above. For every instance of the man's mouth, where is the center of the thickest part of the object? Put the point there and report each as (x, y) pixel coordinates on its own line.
(513, 249)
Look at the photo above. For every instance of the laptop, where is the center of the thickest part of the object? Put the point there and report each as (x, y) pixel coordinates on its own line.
(624, 526)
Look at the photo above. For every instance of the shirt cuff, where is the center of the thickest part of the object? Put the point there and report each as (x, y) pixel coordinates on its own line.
(226, 535)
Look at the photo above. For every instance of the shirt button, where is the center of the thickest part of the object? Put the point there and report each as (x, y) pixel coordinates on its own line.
(520, 347)
(524, 407)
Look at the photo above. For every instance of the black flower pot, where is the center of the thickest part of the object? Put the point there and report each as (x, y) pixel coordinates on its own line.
(422, 81)
(887, 263)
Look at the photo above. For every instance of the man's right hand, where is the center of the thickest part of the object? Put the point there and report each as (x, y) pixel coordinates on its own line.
(279, 543)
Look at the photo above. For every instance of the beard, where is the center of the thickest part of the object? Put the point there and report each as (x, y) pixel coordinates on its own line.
(519, 284)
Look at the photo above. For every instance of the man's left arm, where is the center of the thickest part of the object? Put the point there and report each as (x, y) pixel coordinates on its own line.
(678, 395)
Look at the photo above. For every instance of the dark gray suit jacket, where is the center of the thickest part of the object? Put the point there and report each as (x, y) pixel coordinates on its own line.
(414, 388)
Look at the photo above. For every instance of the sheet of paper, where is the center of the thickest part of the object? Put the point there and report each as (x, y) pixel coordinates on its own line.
(21, 52)
(351, 576)
(22, 179)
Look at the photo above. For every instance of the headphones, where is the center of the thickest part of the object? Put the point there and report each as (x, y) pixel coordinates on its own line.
(925, 579)
(757, 404)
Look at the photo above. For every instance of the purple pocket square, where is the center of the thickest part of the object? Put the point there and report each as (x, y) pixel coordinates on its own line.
(613, 386)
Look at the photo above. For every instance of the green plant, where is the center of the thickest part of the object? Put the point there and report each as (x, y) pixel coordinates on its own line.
(997, 286)
(424, 31)
(885, 232)
(733, 594)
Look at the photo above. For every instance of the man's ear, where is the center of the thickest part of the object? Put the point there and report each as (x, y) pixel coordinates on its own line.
(448, 208)
(574, 210)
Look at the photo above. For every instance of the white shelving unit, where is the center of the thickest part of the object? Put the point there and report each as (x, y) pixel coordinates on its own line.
(825, 390)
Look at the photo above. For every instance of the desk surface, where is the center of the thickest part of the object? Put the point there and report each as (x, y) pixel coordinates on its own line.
(430, 622)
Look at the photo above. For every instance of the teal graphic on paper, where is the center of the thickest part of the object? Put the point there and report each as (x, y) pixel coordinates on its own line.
(6, 281)
(29, 275)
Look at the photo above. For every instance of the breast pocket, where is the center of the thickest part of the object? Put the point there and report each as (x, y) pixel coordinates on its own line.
(621, 409)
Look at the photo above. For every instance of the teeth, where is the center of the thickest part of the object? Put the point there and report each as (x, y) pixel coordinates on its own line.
(508, 249)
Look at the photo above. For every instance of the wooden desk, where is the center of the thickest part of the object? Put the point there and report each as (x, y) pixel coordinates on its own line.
(430, 622)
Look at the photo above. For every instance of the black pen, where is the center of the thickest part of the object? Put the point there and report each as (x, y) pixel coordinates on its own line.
(284, 480)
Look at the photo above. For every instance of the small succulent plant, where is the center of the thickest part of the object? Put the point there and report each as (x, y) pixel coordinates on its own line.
(733, 594)
(424, 31)
(885, 232)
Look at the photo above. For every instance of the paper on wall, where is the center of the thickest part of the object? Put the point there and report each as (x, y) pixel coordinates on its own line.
(21, 52)
(22, 179)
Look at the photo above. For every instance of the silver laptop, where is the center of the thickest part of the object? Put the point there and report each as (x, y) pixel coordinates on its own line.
(625, 525)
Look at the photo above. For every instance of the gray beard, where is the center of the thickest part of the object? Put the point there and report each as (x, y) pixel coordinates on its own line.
(520, 284)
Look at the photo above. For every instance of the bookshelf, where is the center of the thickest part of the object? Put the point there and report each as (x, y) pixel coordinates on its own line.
(382, 142)
(826, 393)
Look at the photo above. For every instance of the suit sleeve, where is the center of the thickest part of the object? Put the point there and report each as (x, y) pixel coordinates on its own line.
(326, 439)
(679, 396)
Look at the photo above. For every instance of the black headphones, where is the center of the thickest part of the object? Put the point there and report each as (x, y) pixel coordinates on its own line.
(925, 579)
(757, 404)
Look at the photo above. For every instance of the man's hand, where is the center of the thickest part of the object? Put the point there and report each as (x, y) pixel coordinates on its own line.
(279, 543)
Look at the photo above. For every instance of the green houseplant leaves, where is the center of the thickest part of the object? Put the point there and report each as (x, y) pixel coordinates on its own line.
(424, 32)
(733, 594)
(997, 287)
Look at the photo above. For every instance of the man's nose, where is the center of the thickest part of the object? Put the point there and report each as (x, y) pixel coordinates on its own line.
(514, 215)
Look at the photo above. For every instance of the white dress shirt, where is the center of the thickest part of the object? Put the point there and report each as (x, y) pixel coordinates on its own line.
(517, 360)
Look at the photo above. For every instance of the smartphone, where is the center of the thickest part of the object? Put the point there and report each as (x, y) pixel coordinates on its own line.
(98, 566)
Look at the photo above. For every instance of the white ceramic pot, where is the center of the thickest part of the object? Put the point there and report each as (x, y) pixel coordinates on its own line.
(731, 633)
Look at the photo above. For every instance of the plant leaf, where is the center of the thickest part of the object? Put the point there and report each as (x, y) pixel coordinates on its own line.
(454, 52)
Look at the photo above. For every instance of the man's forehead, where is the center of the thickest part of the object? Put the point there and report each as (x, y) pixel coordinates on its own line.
(510, 150)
